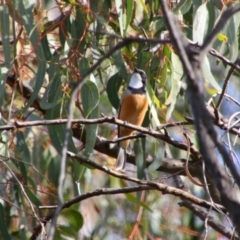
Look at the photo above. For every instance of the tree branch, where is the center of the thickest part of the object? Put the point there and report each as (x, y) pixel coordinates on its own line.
(203, 214)
(208, 138)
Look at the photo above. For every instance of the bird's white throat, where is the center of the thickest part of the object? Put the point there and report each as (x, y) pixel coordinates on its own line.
(136, 81)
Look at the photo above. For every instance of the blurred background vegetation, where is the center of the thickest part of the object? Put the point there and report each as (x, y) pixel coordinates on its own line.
(46, 48)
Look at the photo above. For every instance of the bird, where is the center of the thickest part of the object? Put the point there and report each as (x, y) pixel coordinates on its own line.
(133, 108)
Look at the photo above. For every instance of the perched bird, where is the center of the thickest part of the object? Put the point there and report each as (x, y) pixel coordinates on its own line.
(133, 107)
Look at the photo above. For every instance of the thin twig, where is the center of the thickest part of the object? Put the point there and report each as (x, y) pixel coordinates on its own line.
(43, 230)
(226, 81)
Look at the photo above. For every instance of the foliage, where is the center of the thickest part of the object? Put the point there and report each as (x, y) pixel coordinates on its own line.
(51, 50)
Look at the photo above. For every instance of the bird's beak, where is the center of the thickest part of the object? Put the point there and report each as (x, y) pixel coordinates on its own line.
(136, 70)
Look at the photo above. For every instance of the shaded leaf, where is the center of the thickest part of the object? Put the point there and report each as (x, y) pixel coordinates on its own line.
(57, 132)
(130, 197)
(90, 100)
(113, 86)
(3, 78)
(4, 16)
(158, 158)
(34, 199)
(140, 157)
(183, 6)
(3, 226)
(129, 8)
(23, 153)
(73, 218)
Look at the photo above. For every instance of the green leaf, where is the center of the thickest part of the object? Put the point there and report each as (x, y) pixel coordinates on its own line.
(26, 13)
(158, 158)
(34, 199)
(23, 153)
(176, 75)
(73, 218)
(154, 104)
(222, 38)
(232, 33)
(3, 78)
(3, 226)
(130, 197)
(49, 100)
(140, 157)
(211, 16)
(207, 74)
(57, 132)
(121, 15)
(119, 62)
(183, 6)
(77, 31)
(4, 16)
(113, 86)
(39, 81)
(90, 100)
(200, 24)
(129, 9)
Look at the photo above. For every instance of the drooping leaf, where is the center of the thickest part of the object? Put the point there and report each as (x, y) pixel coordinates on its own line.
(154, 104)
(113, 85)
(3, 226)
(176, 75)
(3, 78)
(129, 8)
(23, 153)
(4, 16)
(90, 100)
(118, 60)
(208, 76)
(158, 157)
(183, 6)
(200, 24)
(121, 16)
(140, 157)
(26, 12)
(130, 197)
(33, 198)
(73, 218)
(57, 132)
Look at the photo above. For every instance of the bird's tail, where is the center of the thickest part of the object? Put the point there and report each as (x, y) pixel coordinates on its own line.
(121, 159)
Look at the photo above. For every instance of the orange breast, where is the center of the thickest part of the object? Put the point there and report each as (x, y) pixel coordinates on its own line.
(133, 110)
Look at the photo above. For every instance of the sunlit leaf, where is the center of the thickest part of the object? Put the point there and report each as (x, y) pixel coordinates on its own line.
(221, 37)
(207, 74)
(200, 24)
